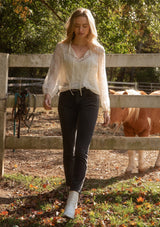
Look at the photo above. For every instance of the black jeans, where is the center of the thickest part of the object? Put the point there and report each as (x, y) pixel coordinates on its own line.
(78, 114)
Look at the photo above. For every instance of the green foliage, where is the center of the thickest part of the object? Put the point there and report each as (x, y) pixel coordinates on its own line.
(124, 26)
(36, 26)
(38, 31)
(143, 75)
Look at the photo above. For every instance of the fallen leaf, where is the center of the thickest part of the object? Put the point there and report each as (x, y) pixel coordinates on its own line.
(44, 185)
(78, 211)
(3, 213)
(140, 199)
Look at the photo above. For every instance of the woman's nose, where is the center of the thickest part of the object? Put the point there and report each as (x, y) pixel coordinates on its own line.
(81, 29)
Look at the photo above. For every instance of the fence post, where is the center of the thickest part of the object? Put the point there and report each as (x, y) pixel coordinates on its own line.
(3, 99)
(136, 85)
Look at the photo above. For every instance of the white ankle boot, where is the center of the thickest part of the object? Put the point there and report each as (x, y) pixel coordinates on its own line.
(71, 204)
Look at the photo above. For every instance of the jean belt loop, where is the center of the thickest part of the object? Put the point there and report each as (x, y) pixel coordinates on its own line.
(71, 92)
(80, 90)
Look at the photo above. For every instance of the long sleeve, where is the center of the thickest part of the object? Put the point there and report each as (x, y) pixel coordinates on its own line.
(50, 85)
(103, 84)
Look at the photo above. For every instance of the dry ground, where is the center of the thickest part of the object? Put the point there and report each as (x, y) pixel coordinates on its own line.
(102, 164)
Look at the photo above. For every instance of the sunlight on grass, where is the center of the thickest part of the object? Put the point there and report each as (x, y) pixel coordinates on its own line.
(34, 183)
(132, 202)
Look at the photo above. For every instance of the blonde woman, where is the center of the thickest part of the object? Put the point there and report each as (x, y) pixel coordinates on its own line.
(78, 72)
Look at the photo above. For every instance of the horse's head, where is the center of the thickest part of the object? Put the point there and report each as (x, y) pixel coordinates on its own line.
(120, 115)
(155, 93)
(117, 115)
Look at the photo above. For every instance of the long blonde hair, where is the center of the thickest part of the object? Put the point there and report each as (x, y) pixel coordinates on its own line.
(92, 36)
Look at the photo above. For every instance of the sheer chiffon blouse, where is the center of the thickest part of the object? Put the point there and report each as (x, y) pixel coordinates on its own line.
(67, 72)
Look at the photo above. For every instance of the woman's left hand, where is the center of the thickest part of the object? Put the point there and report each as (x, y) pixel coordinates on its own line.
(106, 117)
(47, 102)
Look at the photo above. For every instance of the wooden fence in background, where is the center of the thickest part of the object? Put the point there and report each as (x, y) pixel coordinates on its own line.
(55, 142)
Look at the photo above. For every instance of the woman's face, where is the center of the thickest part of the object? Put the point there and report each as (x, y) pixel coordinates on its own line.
(81, 27)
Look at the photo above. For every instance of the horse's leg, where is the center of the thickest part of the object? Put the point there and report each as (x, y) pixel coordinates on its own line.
(141, 161)
(129, 132)
(157, 164)
(141, 153)
(132, 161)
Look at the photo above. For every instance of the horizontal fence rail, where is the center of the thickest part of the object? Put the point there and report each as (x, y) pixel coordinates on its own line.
(112, 60)
(132, 60)
(122, 85)
(21, 82)
(148, 87)
(121, 101)
(25, 82)
(97, 143)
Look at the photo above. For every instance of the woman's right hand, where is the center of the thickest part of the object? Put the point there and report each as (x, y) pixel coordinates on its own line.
(47, 102)
(106, 117)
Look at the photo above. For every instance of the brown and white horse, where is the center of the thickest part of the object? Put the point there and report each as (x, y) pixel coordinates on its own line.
(140, 122)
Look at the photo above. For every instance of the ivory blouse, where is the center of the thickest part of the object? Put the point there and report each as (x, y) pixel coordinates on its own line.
(67, 72)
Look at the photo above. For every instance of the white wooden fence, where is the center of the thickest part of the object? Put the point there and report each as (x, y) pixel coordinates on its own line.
(55, 142)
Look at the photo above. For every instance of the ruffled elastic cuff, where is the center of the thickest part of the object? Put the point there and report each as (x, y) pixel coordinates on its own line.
(108, 111)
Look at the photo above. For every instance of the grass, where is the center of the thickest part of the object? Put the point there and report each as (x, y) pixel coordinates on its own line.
(40, 202)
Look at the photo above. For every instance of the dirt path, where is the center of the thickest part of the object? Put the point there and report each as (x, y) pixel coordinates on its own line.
(102, 164)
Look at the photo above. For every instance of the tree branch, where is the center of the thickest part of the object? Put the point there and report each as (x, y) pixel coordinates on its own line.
(49, 7)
